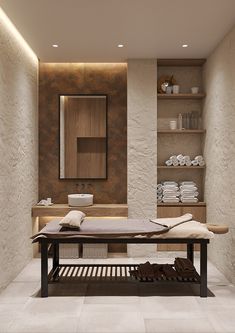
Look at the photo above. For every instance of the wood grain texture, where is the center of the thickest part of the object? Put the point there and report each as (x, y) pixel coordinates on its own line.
(85, 118)
(108, 79)
(181, 62)
(91, 158)
(95, 210)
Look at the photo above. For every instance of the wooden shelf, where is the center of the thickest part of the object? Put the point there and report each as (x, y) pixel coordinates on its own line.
(94, 210)
(168, 204)
(180, 167)
(181, 96)
(184, 131)
(91, 137)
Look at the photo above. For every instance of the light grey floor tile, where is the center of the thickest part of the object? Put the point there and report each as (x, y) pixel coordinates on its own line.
(178, 326)
(124, 322)
(44, 323)
(19, 292)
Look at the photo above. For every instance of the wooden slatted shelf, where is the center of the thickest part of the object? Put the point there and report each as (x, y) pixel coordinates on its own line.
(181, 96)
(108, 273)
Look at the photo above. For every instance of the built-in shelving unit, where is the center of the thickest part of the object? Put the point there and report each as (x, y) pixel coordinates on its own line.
(187, 73)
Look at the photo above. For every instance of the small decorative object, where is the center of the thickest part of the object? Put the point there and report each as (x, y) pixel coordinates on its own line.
(173, 124)
(180, 121)
(165, 81)
(169, 89)
(194, 90)
(176, 89)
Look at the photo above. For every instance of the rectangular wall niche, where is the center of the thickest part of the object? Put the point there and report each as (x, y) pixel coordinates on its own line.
(83, 136)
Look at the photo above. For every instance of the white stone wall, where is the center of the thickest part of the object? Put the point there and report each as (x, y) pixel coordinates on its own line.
(18, 149)
(219, 118)
(142, 143)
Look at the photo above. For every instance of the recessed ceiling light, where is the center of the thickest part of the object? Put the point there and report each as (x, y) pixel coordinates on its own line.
(185, 45)
(55, 45)
(120, 45)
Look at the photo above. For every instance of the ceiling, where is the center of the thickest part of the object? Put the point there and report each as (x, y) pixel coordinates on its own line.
(90, 30)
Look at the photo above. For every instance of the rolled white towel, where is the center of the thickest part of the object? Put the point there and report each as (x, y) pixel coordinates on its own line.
(187, 158)
(175, 163)
(188, 163)
(202, 163)
(159, 186)
(180, 157)
(169, 162)
(73, 219)
(199, 158)
(173, 158)
(182, 162)
(195, 162)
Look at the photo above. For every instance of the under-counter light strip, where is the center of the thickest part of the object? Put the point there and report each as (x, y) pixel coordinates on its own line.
(4, 19)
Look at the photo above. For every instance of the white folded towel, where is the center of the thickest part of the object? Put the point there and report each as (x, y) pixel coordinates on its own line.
(73, 219)
(169, 183)
(170, 200)
(187, 182)
(193, 200)
(188, 187)
(189, 194)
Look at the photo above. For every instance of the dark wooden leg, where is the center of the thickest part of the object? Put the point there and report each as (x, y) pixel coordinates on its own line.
(190, 253)
(203, 269)
(55, 260)
(44, 268)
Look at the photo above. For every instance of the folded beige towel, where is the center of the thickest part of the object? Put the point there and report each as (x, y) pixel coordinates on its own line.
(73, 219)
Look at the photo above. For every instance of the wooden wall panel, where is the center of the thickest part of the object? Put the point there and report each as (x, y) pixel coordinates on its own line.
(108, 79)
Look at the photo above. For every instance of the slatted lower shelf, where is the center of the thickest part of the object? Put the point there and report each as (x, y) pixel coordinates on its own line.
(107, 273)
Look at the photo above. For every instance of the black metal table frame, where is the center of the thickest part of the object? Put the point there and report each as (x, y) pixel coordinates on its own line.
(45, 242)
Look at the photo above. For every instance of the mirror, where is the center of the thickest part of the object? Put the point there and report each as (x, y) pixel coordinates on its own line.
(83, 136)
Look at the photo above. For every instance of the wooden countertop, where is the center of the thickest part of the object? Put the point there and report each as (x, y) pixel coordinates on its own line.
(94, 210)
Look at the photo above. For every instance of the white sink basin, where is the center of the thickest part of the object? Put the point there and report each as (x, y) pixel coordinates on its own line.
(78, 200)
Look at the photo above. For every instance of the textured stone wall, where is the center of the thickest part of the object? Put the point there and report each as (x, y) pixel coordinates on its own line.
(219, 118)
(18, 149)
(79, 78)
(142, 143)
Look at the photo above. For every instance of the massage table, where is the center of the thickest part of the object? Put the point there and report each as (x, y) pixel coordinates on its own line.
(128, 231)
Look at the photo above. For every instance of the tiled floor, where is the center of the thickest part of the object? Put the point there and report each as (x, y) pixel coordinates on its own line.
(115, 307)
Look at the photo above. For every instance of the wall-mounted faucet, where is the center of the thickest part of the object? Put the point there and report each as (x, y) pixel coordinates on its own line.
(84, 188)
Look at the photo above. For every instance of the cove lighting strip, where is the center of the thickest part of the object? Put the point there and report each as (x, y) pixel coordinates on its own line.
(4, 19)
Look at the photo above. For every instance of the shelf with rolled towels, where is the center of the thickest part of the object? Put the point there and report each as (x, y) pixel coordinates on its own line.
(185, 161)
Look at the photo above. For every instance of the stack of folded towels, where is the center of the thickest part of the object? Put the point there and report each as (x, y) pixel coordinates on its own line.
(188, 192)
(73, 220)
(170, 192)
